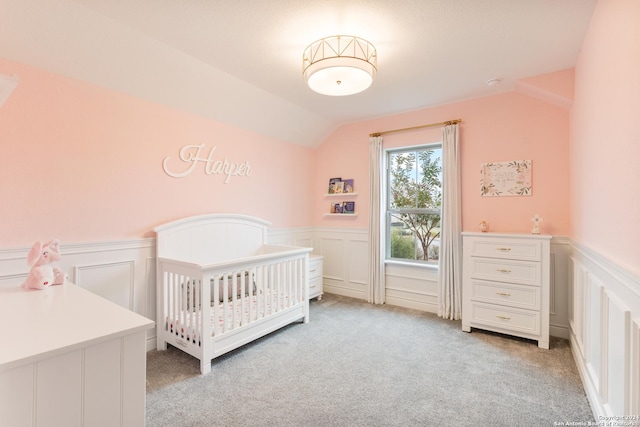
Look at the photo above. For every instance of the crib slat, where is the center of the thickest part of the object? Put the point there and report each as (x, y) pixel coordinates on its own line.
(252, 294)
(225, 306)
(234, 299)
(290, 268)
(264, 288)
(298, 280)
(216, 306)
(272, 294)
(243, 297)
(198, 311)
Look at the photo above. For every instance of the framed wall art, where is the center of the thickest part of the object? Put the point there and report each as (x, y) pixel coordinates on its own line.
(505, 178)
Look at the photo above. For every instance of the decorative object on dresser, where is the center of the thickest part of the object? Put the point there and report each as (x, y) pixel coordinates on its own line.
(315, 276)
(220, 285)
(484, 226)
(536, 224)
(506, 284)
(43, 274)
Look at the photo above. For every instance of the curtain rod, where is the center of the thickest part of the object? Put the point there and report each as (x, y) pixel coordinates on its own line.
(450, 122)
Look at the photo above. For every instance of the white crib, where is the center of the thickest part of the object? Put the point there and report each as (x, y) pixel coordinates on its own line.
(220, 285)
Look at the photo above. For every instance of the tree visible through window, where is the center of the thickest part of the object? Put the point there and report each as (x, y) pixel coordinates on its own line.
(414, 198)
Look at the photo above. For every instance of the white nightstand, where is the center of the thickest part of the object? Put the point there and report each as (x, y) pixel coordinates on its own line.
(315, 276)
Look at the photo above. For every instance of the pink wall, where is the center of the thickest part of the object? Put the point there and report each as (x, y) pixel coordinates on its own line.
(605, 135)
(502, 127)
(83, 164)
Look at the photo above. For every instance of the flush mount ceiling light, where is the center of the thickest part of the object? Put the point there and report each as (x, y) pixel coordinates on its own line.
(339, 65)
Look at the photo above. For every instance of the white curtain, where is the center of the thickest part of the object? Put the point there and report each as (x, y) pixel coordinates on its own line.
(450, 266)
(376, 224)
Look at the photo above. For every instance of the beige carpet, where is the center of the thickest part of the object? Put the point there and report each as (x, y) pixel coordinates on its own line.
(356, 364)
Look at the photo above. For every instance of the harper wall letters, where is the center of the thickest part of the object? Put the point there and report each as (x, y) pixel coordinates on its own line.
(190, 155)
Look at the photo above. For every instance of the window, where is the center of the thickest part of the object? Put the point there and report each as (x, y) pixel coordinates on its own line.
(414, 198)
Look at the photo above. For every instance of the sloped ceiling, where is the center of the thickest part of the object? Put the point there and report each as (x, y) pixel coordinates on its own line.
(239, 61)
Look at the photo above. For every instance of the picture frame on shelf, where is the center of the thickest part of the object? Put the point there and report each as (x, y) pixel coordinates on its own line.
(332, 184)
(347, 186)
(335, 208)
(348, 207)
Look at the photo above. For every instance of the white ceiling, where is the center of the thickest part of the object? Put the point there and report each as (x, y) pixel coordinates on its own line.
(239, 61)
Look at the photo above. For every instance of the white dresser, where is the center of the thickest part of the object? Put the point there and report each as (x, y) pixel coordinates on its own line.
(315, 276)
(70, 358)
(505, 284)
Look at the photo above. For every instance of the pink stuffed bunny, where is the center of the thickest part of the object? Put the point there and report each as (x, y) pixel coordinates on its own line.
(43, 274)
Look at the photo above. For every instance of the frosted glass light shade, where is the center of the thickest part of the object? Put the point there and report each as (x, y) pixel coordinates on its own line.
(339, 65)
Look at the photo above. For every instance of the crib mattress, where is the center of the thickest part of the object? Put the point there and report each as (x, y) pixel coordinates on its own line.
(231, 315)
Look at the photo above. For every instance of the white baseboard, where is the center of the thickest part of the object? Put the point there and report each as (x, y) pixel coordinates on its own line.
(560, 331)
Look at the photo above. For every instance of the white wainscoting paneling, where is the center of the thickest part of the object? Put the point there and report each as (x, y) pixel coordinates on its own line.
(114, 281)
(346, 260)
(604, 308)
(412, 286)
(617, 352)
(292, 236)
(635, 366)
(593, 329)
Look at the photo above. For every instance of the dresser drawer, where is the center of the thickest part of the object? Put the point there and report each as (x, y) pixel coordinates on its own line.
(506, 249)
(524, 272)
(514, 319)
(521, 296)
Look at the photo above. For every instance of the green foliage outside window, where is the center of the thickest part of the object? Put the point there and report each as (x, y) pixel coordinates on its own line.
(414, 202)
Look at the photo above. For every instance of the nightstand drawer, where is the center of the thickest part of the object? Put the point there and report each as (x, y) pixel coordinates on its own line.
(315, 276)
(514, 319)
(524, 272)
(521, 296)
(506, 249)
(315, 270)
(315, 285)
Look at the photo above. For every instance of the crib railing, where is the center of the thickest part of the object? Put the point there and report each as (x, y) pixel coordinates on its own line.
(196, 302)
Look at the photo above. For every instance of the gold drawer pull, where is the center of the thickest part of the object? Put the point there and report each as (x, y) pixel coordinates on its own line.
(312, 286)
(503, 249)
(313, 271)
(503, 317)
(504, 294)
(502, 270)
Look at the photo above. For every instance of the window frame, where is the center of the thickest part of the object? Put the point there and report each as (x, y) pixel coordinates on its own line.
(388, 211)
